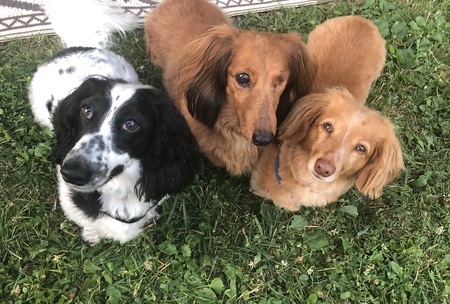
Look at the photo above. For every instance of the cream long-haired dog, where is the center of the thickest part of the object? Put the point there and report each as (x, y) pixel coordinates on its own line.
(233, 87)
(330, 140)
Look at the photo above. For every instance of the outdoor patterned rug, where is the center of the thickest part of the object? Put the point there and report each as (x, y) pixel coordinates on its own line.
(21, 18)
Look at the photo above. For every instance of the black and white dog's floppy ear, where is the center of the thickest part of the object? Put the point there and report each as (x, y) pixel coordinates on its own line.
(172, 159)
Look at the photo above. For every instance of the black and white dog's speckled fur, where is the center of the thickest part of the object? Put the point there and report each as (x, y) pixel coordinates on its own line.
(121, 146)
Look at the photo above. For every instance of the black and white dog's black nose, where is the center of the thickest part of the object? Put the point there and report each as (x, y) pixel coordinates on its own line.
(73, 172)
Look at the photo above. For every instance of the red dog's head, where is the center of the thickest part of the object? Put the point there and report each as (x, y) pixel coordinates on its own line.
(255, 76)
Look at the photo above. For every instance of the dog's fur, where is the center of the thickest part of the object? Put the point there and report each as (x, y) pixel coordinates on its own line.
(121, 146)
(330, 140)
(349, 52)
(233, 86)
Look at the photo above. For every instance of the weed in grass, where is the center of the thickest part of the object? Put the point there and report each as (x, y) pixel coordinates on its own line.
(216, 242)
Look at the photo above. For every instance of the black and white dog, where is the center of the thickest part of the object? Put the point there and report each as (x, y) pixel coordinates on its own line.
(121, 146)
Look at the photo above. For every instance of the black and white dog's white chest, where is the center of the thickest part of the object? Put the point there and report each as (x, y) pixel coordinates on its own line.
(116, 199)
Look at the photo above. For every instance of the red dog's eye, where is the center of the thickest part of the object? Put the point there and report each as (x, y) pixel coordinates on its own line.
(86, 112)
(280, 80)
(328, 127)
(243, 79)
(361, 149)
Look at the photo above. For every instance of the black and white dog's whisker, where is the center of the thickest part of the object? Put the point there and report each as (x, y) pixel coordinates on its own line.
(121, 147)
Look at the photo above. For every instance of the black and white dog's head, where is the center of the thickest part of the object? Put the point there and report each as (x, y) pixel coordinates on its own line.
(104, 127)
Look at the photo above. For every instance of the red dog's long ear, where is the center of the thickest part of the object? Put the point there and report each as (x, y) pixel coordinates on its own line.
(303, 67)
(383, 167)
(203, 72)
(302, 116)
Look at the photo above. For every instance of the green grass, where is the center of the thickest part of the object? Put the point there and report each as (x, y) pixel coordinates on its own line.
(216, 242)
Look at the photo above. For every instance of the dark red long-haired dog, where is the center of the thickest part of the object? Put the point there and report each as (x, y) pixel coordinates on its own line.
(234, 87)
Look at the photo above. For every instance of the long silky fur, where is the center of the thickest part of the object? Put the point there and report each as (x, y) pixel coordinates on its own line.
(169, 164)
(205, 98)
(303, 68)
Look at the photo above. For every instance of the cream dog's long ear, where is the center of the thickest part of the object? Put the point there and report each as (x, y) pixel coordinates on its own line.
(203, 72)
(383, 167)
(302, 116)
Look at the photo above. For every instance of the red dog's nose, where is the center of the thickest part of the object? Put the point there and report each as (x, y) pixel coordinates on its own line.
(324, 168)
(262, 138)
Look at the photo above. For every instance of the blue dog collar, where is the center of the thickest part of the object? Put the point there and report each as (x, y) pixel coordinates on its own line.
(277, 168)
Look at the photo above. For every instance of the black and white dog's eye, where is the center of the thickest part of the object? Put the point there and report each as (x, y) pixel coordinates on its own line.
(243, 79)
(131, 125)
(86, 112)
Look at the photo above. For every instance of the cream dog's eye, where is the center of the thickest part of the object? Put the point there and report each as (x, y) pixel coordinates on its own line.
(328, 127)
(243, 79)
(361, 149)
